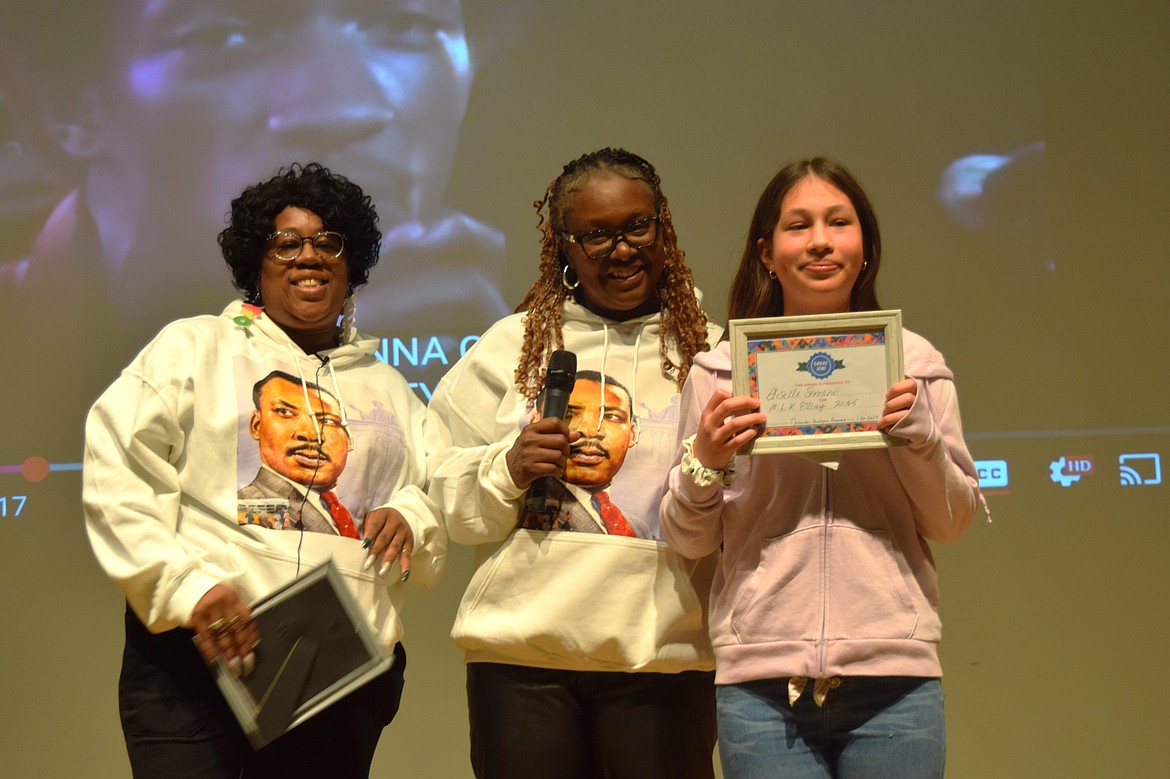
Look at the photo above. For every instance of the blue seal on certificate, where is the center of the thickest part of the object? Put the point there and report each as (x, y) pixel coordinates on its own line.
(821, 365)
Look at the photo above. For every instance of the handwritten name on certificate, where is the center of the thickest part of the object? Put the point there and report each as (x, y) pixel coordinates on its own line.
(816, 386)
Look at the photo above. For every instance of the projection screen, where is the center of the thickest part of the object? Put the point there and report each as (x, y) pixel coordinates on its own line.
(1016, 155)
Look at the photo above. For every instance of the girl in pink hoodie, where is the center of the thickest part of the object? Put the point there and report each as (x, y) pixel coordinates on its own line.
(824, 609)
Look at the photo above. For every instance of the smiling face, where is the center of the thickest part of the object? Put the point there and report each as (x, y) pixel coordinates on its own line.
(607, 432)
(624, 284)
(284, 428)
(816, 249)
(199, 98)
(304, 296)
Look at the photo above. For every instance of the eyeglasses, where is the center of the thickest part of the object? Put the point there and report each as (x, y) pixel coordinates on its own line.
(286, 245)
(599, 244)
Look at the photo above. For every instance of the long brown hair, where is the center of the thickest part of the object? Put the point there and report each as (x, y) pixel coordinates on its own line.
(755, 294)
(684, 324)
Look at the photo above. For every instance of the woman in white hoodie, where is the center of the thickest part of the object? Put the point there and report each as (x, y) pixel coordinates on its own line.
(239, 450)
(824, 609)
(583, 633)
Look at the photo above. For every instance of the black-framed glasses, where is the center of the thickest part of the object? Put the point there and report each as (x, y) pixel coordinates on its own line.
(599, 244)
(286, 245)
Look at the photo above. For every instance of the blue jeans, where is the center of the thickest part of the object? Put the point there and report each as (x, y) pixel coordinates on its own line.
(868, 727)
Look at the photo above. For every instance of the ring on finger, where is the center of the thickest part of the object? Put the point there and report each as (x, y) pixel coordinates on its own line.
(217, 625)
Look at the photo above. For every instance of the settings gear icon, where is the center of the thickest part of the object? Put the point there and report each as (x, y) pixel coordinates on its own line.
(1059, 476)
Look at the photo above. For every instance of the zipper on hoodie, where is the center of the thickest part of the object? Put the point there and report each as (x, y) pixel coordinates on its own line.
(824, 571)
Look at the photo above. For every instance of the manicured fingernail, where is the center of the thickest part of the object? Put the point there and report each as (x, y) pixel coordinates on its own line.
(385, 567)
(234, 666)
(249, 663)
(367, 562)
(406, 574)
(367, 542)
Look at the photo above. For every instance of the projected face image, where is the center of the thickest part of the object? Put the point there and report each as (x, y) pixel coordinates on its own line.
(284, 428)
(607, 433)
(203, 97)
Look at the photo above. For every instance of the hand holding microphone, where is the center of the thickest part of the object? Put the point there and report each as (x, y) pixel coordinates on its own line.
(542, 447)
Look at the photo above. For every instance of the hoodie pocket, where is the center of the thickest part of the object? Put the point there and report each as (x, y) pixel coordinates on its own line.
(556, 598)
(264, 568)
(781, 600)
(868, 598)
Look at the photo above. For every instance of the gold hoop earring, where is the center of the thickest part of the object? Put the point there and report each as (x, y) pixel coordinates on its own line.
(565, 279)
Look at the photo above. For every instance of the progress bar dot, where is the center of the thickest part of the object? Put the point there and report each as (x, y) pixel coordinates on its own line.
(35, 469)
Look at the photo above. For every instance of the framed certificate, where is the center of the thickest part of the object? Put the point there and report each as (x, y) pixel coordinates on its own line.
(821, 380)
(315, 649)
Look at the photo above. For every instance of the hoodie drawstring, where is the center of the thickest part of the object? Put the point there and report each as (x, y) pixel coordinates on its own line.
(309, 403)
(633, 380)
(341, 403)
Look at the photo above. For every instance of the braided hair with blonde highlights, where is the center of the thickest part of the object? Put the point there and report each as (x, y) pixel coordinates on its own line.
(684, 323)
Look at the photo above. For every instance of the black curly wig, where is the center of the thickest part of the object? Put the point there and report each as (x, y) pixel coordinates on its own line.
(341, 205)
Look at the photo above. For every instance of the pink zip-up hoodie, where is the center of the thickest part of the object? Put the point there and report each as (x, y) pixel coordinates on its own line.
(828, 573)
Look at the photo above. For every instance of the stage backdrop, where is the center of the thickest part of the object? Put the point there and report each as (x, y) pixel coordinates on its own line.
(1016, 154)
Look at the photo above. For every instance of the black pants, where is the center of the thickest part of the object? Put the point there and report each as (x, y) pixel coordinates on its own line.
(178, 725)
(540, 723)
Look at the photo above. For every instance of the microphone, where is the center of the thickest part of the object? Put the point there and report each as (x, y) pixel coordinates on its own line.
(558, 386)
(558, 383)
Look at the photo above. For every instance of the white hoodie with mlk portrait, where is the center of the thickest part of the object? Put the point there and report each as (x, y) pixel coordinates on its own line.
(172, 472)
(567, 589)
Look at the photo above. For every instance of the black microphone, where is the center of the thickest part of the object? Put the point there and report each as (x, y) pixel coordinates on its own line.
(558, 383)
(558, 386)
